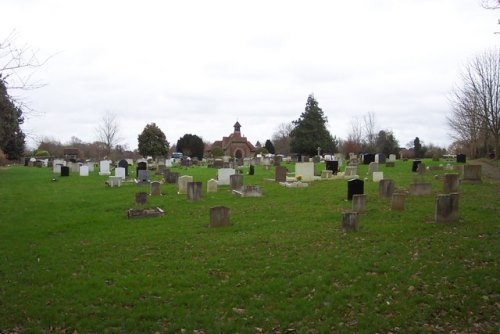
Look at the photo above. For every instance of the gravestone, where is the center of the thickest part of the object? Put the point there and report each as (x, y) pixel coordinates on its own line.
(56, 169)
(194, 191)
(84, 171)
(236, 181)
(332, 165)
(350, 221)
(359, 203)
(219, 216)
(351, 170)
(223, 176)
(249, 191)
(305, 170)
(141, 165)
(326, 174)
(143, 176)
(372, 167)
(446, 208)
(377, 176)
(155, 188)
(168, 163)
(421, 169)
(450, 183)
(182, 184)
(472, 173)
(355, 187)
(171, 177)
(420, 189)
(120, 171)
(64, 171)
(123, 164)
(251, 170)
(398, 201)
(461, 158)
(160, 169)
(367, 158)
(104, 167)
(212, 186)
(392, 158)
(386, 188)
(114, 181)
(141, 198)
(380, 158)
(90, 165)
(280, 174)
(414, 165)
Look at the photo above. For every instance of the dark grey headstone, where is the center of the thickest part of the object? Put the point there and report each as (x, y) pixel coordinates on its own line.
(280, 174)
(123, 164)
(194, 191)
(355, 187)
(414, 166)
(461, 158)
(219, 216)
(333, 166)
(367, 158)
(64, 171)
(141, 166)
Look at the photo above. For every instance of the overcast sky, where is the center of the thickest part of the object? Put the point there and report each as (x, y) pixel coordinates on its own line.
(199, 66)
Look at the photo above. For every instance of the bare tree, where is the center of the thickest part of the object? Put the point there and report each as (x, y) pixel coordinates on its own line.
(281, 138)
(370, 131)
(108, 131)
(478, 99)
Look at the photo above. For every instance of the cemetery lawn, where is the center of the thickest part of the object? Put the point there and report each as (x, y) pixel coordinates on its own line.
(71, 261)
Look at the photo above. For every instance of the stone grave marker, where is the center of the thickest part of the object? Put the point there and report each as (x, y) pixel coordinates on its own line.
(372, 167)
(120, 171)
(421, 169)
(104, 167)
(359, 203)
(219, 216)
(398, 201)
(194, 191)
(64, 171)
(212, 186)
(84, 171)
(355, 187)
(171, 177)
(461, 158)
(236, 181)
(223, 176)
(182, 184)
(380, 158)
(141, 197)
(143, 176)
(114, 181)
(350, 221)
(56, 169)
(414, 165)
(305, 170)
(123, 164)
(367, 158)
(377, 176)
(141, 165)
(472, 173)
(332, 165)
(386, 188)
(392, 158)
(351, 170)
(446, 208)
(155, 188)
(280, 174)
(160, 169)
(450, 183)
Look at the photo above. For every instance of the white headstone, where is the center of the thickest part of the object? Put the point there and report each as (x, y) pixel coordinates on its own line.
(212, 186)
(305, 170)
(90, 165)
(182, 183)
(84, 171)
(56, 169)
(104, 167)
(392, 157)
(120, 171)
(377, 176)
(168, 163)
(223, 175)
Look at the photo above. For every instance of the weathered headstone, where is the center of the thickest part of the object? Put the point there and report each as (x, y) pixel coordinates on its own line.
(182, 184)
(450, 183)
(420, 189)
(414, 165)
(143, 176)
(377, 176)
(236, 181)
(350, 221)
(219, 216)
(141, 198)
(398, 201)
(421, 169)
(355, 187)
(351, 170)
(64, 171)
(326, 174)
(84, 171)
(171, 177)
(155, 188)
(194, 191)
(212, 186)
(280, 174)
(472, 173)
(446, 208)
(223, 175)
(372, 167)
(386, 188)
(359, 203)
(123, 164)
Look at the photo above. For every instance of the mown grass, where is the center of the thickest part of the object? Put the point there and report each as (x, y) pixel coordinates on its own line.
(70, 260)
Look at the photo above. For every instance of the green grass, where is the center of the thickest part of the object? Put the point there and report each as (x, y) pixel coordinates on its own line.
(70, 260)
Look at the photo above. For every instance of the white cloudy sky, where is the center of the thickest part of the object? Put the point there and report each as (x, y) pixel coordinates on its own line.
(198, 66)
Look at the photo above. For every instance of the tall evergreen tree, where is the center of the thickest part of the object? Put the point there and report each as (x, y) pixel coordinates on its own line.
(191, 146)
(11, 117)
(269, 147)
(310, 131)
(417, 147)
(152, 141)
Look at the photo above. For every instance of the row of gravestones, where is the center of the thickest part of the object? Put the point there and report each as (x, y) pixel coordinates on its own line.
(446, 204)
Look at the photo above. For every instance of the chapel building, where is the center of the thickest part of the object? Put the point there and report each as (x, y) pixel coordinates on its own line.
(235, 145)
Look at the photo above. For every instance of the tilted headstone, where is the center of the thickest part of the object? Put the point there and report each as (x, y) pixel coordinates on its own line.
(123, 164)
(84, 171)
(450, 183)
(280, 174)
(355, 187)
(386, 188)
(194, 191)
(219, 216)
(446, 208)
(359, 203)
(212, 186)
(236, 181)
(223, 175)
(155, 188)
(421, 169)
(182, 184)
